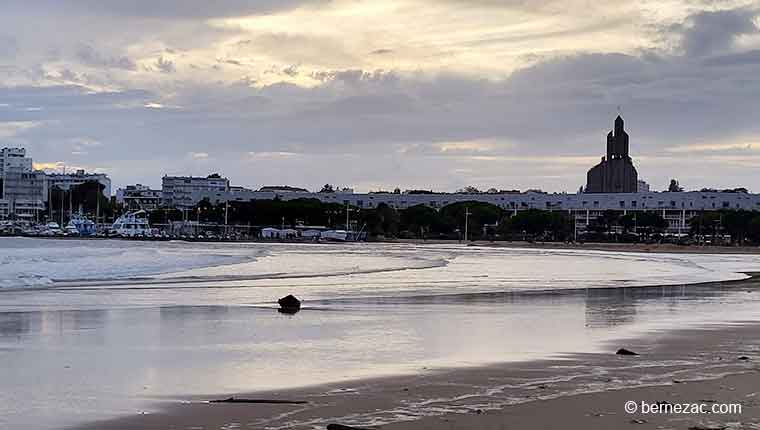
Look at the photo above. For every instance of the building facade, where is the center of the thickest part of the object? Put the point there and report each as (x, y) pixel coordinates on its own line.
(615, 173)
(65, 181)
(183, 192)
(138, 196)
(22, 189)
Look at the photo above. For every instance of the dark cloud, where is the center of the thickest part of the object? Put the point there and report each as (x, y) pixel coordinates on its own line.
(291, 70)
(707, 33)
(88, 55)
(355, 76)
(165, 65)
(738, 59)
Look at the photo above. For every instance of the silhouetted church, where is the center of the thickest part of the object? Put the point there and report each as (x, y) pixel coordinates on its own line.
(615, 174)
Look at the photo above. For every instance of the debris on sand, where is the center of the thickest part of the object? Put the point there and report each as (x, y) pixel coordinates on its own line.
(341, 427)
(710, 426)
(260, 401)
(623, 351)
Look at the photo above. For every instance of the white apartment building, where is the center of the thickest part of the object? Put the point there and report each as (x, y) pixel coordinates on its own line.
(184, 192)
(21, 188)
(65, 181)
(139, 196)
(14, 159)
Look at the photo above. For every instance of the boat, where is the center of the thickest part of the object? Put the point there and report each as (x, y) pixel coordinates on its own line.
(132, 224)
(335, 235)
(80, 226)
(51, 229)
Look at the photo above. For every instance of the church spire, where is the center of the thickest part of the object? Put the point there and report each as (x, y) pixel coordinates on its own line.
(619, 125)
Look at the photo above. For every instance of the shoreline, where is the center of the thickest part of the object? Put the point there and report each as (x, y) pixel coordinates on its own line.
(585, 390)
(664, 248)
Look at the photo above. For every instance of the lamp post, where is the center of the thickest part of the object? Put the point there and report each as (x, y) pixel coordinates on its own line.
(466, 223)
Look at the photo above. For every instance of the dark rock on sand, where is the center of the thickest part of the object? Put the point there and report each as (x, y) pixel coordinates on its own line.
(289, 304)
(623, 351)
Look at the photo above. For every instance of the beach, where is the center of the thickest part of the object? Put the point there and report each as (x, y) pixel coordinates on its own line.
(120, 334)
(579, 391)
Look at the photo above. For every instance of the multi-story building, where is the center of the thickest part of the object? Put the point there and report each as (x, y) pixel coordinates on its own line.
(139, 196)
(65, 181)
(22, 193)
(14, 159)
(184, 192)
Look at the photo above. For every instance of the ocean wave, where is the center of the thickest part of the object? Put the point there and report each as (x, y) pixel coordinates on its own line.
(353, 270)
(39, 263)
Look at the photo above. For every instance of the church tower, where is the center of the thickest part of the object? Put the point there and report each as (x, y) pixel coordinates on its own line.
(615, 173)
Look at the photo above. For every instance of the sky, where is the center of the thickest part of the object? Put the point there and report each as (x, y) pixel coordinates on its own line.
(431, 94)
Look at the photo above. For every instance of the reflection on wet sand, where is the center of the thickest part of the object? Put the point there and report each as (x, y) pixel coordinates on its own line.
(120, 359)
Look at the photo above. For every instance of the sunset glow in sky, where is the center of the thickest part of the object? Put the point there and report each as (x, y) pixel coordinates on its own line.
(377, 94)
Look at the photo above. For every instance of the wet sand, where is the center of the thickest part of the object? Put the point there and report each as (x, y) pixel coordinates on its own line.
(582, 391)
(667, 248)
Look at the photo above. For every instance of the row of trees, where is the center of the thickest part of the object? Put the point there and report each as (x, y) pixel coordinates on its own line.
(484, 220)
(741, 226)
(86, 198)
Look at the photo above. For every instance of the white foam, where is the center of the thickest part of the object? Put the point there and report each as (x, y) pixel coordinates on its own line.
(41, 262)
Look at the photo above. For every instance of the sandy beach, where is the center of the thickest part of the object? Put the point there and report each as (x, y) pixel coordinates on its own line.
(713, 365)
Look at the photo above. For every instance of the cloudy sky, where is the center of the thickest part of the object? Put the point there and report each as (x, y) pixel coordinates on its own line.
(377, 94)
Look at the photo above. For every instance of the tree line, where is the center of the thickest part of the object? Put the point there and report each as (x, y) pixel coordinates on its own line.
(86, 198)
(484, 221)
